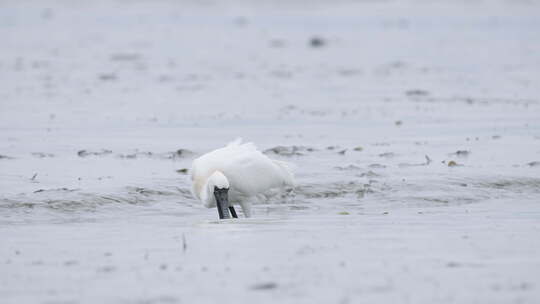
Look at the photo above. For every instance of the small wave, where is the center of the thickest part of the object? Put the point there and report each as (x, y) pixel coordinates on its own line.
(333, 190)
(76, 200)
(516, 185)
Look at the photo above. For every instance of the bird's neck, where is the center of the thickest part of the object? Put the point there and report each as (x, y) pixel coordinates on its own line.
(207, 194)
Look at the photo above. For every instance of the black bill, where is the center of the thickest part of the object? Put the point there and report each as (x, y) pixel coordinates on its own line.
(222, 202)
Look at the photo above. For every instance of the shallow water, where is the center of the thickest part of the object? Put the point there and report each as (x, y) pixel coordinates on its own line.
(413, 127)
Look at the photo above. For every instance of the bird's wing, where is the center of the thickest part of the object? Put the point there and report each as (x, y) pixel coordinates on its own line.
(248, 170)
(252, 172)
(208, 163)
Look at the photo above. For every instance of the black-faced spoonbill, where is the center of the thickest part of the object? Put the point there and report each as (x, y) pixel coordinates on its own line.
(237, 173)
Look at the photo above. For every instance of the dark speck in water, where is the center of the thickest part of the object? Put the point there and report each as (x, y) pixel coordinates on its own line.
(534, 164)
(182, 171)
(317, 42)
(264, 286)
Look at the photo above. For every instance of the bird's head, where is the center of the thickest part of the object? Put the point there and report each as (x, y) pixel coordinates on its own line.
(219, 184)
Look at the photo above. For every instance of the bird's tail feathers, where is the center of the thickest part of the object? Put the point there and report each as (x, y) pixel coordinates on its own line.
(244, 146)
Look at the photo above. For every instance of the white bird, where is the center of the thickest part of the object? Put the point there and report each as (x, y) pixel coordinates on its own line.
(237, 173)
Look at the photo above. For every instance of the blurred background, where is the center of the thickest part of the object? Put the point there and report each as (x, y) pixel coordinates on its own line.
(414, 127)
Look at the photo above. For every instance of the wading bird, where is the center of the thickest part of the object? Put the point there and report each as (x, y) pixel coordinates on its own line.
(237, 174)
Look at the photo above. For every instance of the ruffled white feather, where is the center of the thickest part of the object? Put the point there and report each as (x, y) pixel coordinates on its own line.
(248, 171)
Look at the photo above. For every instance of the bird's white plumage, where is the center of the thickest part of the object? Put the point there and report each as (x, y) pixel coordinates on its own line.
(248, 172)
(219, 180)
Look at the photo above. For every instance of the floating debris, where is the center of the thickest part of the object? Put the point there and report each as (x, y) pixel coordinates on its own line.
(5, 157)
(85, 153)
(343, 213)
(398, 123)
(42, 154)
(358, 149)
(182, 171)
(182, 153)
(57, 189)
(452, 164)
(135, 155)
(369, 174)
(168, 155)
(534, 164)
(347, 168)
(288, 150)
(461, 153)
